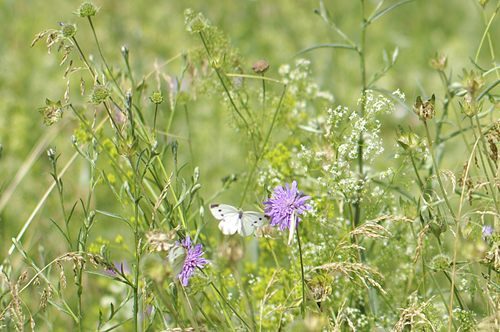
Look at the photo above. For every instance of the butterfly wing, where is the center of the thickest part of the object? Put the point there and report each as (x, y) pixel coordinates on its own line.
(250, 220)
(229, 216)
(176, 258)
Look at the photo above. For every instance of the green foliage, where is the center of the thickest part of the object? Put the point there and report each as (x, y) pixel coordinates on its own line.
(396, 230)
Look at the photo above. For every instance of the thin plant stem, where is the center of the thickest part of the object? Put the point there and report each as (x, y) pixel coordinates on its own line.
(102, 57)
(492, 168)
(303, 304)
(486, 33)
(431, 149)
(457, 233)
(257, 157)
(247, 297)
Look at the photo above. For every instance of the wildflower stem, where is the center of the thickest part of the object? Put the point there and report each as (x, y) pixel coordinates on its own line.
(457, 233)
(154, 120)
(303, 304)
(492, 168)
(138, 261)
(257, 157)
(247, 297)
(486, 33)
(223, 84)
(96, 80)
(437, 172)
(263, 100)
(102, 57)
(450, 98)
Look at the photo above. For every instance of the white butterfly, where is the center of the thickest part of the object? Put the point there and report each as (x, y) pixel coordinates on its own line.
(176, 258)
(234, 220)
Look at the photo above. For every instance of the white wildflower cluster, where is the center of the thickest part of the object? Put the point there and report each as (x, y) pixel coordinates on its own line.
(301, 86)
(270, 178)
(335, 116)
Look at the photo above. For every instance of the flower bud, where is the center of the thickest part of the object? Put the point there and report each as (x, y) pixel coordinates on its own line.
(425, 110)
(68, 30)
(438, 62)
(99, 94)
(156, 98)
(440, 262)
(87, 9)
(472, 82)
(125, 52)
(260, 67)
(470, 106)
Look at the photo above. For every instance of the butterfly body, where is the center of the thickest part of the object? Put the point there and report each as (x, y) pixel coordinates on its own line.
(234, 220)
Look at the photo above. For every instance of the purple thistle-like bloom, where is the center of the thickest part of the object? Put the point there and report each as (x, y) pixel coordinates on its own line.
(193, 259)
(284, 204)
(487, 232)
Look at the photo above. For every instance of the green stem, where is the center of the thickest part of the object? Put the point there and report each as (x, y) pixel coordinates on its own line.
(257, 157)
(437, 172)
(492, 168)
(303, 304)
(102, 57)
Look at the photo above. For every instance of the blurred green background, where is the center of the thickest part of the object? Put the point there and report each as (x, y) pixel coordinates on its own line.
(154, 31)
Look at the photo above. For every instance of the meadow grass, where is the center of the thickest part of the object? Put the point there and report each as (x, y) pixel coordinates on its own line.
(333, 214)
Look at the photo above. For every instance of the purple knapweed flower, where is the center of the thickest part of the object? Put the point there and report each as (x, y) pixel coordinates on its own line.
(286, 204)
(193, 259)
(487, 232)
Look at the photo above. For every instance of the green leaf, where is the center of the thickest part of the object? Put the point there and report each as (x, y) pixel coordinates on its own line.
(344, 46)
(383, 11)
(488, 90)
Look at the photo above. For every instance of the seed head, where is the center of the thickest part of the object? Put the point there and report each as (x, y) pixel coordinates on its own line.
(260, 67)
(68, 30)
(438, 62)
(52, 112)
(99, 94)
(425, 110)
(87, 9)
(156, 98)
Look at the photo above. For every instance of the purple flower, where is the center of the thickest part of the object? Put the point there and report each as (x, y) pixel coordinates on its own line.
(193, 259)
(285, 205)
(487, 232)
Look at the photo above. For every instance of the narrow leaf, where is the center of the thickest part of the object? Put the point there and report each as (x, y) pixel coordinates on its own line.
(345, 46)
(383, 11)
